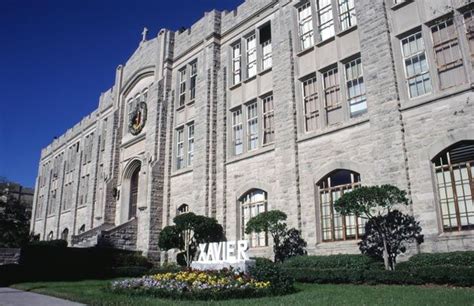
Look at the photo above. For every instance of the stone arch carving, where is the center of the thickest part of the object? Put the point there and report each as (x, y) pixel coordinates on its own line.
(339, 165)
(253, 185)
(130, 188)
(448, 140)
(133, 80)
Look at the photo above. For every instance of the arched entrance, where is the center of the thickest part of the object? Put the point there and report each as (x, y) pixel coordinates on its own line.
(133, 194)
(130, 191)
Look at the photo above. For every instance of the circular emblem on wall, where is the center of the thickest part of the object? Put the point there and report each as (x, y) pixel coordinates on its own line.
(137, 119)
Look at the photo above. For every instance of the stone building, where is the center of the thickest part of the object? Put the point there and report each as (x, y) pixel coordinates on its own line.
(276, 105)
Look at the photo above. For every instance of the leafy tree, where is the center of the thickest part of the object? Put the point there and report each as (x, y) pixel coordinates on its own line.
(401, 229)
(14, 223)
(373, 203)
(190, 230)
(285, 242)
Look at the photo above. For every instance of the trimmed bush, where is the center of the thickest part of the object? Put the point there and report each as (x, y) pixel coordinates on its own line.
(267, 271)
(339, 261)
(457, 259)
(59, 243)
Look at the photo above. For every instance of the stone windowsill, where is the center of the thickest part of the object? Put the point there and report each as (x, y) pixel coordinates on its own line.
(346, 31)
(251, 154)
(456, 234)
(247, 80)
(334, 128)
(426, 99)
(232, 87)
(265, 71)
(82, 206)
(305, 51)
(326, 41)
(182, 171)
(401, 4)
(66, 211)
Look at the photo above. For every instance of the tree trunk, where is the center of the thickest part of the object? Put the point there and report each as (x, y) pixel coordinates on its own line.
(385, 254)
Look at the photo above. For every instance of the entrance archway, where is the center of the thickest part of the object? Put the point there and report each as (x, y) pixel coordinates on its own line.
(130, 191)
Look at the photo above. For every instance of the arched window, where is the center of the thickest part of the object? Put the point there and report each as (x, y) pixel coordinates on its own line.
(183, 208)
(335, 226)
(82, 229)
(134, 193)
(50, 236)
(65, 234)
(253, 203)
(454, 169)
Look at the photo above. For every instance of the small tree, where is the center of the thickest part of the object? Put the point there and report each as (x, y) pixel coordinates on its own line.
(190, 230)
(14, 224)
(401, 229)
(373, 203)
(285, 242)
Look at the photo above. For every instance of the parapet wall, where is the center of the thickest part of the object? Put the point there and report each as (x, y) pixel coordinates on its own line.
(245, 10)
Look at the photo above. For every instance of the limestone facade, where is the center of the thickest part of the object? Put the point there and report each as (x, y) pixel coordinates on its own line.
(256, 108)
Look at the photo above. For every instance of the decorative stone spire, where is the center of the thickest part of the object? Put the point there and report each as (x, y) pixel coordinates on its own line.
(144, 33)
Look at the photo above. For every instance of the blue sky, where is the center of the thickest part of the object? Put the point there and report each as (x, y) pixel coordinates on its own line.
(57, 56)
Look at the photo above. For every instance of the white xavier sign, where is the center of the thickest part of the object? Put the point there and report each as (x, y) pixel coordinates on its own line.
(226, 251)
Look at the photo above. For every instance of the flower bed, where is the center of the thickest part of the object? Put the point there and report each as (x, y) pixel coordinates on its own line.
(196, 285)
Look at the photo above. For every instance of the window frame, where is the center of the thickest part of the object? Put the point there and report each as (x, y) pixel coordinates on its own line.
(303, 36)
(250, 206)
(363, 96)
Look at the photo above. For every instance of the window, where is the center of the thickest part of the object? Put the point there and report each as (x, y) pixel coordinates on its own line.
(335, 226)
(268, 120)
(310, 100)
(52, 202)
(454, 170)
(180, 148)
(253, 203)
(50, 236)
(448, 55)
(325, 19)
(305, 22)
(236, 64)
(252, 126)
(237, 132)
(331, 88)
(469, 26)
(192, 86)
(416, 65)
(355, 88)
(183, 208)
(82, 229)
(266, 45)
(104, 134)
(132, 105)
(190, 144)
(347, 14)
(65, 234)
(251, 56)
(182, 86)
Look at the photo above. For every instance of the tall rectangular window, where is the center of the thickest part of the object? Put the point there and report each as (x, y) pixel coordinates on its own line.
(190, 144)
(416, 65)
(448, 54)
(192, 80)
(252, 126)
(104, 135)
(182, 86)
(305, 24)
(236, 64)
(347, 14)
(331, 88)
(268, 124)
(132, 105)
(310, 101)
(325, 18)
(180, 148)
(469, 26)
(251, 56)
(266, 45)
(237, 131)
(355, 88)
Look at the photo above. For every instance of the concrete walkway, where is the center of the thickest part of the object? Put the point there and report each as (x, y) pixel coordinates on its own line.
(14, 297)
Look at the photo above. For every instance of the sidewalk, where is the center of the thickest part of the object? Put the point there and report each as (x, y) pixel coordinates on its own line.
(14, 297)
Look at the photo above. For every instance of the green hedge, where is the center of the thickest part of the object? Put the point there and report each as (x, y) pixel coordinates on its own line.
(340, 261)
(457, 259)
(459, 276)
(266, 270)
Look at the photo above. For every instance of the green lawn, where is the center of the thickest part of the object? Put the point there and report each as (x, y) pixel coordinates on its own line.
(90, 292)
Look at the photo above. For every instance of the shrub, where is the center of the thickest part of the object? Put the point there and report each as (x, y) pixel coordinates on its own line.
(339, 261)
(457, 259)
(266, 270)
(59, 243)
(165, 269)
(10, 274)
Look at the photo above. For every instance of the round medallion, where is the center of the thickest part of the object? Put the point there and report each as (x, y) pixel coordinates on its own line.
(137, 119)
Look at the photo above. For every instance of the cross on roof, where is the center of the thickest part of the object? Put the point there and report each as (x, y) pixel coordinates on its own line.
(145, 31)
